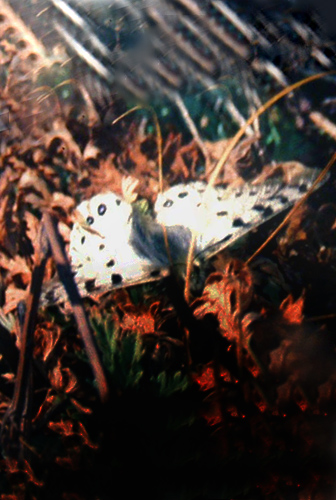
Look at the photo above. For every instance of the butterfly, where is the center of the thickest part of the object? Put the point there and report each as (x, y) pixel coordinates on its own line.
(114, 244)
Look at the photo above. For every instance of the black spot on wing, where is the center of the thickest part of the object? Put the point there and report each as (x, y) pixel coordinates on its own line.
(259, 207)
(221, 213)
(102, 246)
(90, 285)
(183, 194)
(83, 240)
(238, 194)
(266, 211)
(118, 202)
(283, 199)
(102, 209)
(110, 263)
(168, 203)
(303, 188)
(227, 238)
(155, 273)
(238, 222)
(116, 279)
(90, 220)
(279, 197)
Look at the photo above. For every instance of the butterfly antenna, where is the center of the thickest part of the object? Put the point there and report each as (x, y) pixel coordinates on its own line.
(297, 205)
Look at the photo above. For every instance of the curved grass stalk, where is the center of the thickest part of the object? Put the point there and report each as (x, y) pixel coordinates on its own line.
(160, 162)
(297, 205)
(158, 136)
(233, 144)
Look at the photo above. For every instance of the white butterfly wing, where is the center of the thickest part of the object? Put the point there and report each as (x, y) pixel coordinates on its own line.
(102, 249)
(221, 215)
(101, 253)
(113, 246)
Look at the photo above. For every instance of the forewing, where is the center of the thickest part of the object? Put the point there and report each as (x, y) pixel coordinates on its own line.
(219, 216)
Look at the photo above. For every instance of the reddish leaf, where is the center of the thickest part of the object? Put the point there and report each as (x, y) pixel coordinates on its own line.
(206, 379)
(46, 337)
(13, 296)
(213, 415)
(80, 407)
(16, 266)
(142, 323)
(143, 320)
(226, 296)
(65, 428)
(50, 400)
(62, 379)
(85, 437)
(292, 310)
(12, 466)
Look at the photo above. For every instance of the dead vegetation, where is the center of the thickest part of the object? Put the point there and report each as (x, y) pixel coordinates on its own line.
(246, 370)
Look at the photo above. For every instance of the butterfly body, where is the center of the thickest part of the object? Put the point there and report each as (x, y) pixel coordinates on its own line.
(113, 244)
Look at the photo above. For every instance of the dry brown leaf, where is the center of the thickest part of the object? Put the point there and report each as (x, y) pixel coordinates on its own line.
(227, 296)
(290, 171)
(292, 310)
(46, 337)
(33, 226)
(105, 178)
(16, 265)
(230, 173)
(62, 378)
(13, 297)
(61, 132)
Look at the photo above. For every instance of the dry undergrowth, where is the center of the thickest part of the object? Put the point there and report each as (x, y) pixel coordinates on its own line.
(258, 349)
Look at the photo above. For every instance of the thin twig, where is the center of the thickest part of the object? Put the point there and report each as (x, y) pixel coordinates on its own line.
(234, 141)
(302, 200)
(323, 124)
(177, 99)
(16, 417)
(66, 277)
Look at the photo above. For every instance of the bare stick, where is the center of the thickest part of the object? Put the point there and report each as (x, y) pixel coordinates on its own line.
(16, 417)
(65, 275)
